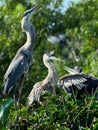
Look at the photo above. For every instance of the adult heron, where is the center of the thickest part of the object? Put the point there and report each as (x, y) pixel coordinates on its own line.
(49, 83)
(78, 83)
(20, 64)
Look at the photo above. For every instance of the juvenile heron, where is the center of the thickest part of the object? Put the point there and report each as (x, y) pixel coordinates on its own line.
(49, 83)
(78, 83)
(20, 64)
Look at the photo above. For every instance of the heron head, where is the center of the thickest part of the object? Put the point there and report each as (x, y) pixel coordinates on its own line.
(50, 56)
(27, 14)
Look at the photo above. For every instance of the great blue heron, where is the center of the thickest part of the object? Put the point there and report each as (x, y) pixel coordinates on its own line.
(78, 83)
(20, 64)
(49, 83)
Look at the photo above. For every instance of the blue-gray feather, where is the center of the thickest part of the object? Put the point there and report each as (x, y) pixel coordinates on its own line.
(18, 67)
(22, 60)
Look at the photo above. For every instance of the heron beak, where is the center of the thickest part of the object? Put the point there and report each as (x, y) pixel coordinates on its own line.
(54, 58)
(35, 7)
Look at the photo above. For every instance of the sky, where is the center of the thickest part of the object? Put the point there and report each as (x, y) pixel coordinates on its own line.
(67, 3)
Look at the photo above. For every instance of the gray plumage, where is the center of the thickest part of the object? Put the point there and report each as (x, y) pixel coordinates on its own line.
(78, 83)
(49, 83)
(76, 70)
(20, 64)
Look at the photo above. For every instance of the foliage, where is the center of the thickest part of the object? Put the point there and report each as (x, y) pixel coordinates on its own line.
(82, 26)
(80, 23)
(4, 112)
(58, 112)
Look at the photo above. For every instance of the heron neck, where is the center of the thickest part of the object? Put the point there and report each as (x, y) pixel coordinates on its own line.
(51, 67)
(30, 32)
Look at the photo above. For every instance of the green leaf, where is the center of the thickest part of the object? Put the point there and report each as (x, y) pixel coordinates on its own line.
(95, 126)
(4, 111)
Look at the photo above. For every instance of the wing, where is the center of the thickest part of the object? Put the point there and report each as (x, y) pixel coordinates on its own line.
(15, 71)
(35, 94)
(73, 71)
(77, 80)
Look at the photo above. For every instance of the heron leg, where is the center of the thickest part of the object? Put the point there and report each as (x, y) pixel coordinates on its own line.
(37, 104)
(20, 91)
(54, 89)
(16, 104)
(16, 98)
(17, 94)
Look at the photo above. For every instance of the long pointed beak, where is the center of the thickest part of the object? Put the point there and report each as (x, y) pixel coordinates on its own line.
(54, 58)
(35, 7)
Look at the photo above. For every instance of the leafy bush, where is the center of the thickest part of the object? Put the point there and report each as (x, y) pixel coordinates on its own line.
(58, 112)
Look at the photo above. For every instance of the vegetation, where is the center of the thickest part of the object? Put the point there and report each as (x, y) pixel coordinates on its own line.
(80, 23)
